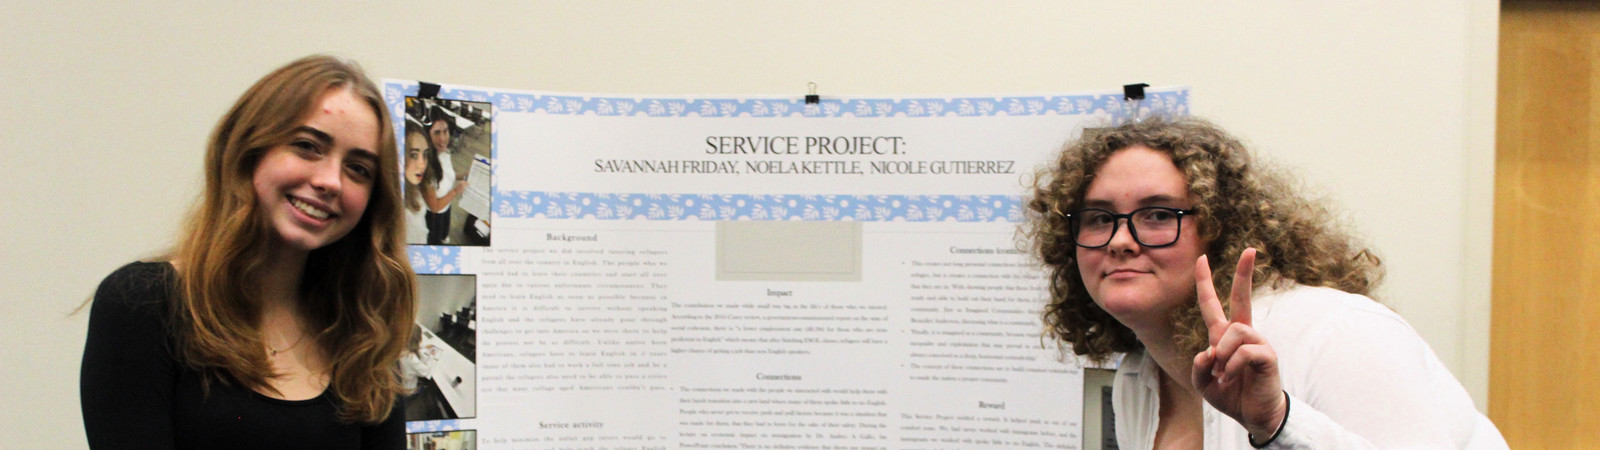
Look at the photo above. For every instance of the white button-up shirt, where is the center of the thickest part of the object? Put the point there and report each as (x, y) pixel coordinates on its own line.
(1358, 376)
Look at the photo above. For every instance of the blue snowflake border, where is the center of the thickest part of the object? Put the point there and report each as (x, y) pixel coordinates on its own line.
(1110, 105)
(426, 426)
(434, 259)
(859, 208)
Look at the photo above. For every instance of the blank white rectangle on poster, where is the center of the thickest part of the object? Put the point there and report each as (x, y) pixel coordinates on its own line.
(788, 251)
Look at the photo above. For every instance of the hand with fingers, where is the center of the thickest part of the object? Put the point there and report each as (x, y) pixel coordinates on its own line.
(1238, 373)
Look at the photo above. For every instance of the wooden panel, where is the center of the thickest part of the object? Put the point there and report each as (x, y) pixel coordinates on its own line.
(1544, 375)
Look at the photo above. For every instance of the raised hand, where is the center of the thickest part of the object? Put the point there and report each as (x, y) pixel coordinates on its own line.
(1238, 373)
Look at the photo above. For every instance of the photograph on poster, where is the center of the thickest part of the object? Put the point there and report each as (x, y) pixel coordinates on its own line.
(449, 155)
(443, 440)
(442, 363)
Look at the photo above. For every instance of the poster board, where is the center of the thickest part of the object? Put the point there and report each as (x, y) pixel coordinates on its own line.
(760, 272)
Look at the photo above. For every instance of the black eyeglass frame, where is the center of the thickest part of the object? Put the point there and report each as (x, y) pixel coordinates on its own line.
(1116, 224)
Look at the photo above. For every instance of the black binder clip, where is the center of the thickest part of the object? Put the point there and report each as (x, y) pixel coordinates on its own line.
(427, 90)
(812, 98)
(1132, 96)
(1133, 91)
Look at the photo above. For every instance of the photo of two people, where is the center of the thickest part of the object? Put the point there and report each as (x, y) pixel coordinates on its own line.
(448, 149)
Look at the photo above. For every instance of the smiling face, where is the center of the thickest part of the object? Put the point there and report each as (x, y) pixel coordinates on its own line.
(439, 132)
(416, 157)
(314, 189)
(1140, 286)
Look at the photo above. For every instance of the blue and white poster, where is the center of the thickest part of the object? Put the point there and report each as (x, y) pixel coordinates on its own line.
(745, 272)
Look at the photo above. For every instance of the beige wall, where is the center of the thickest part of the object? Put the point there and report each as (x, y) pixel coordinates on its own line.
(1385, 106)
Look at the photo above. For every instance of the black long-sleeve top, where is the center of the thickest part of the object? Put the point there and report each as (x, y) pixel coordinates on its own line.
(137, 394)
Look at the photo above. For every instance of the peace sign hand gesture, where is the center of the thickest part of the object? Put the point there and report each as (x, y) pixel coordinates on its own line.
(1238, 373)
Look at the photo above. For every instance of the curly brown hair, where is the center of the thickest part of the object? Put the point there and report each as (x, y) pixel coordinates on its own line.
(1242, 203)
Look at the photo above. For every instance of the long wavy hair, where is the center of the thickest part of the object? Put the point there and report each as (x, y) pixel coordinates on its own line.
(413, 196)
(1242, 203)
(359, 292)
(435, 173)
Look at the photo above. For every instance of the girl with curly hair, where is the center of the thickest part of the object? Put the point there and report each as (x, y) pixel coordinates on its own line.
(1127, 221)
(279, 319)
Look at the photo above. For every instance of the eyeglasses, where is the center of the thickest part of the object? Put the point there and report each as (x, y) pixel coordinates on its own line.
(1151, 226)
